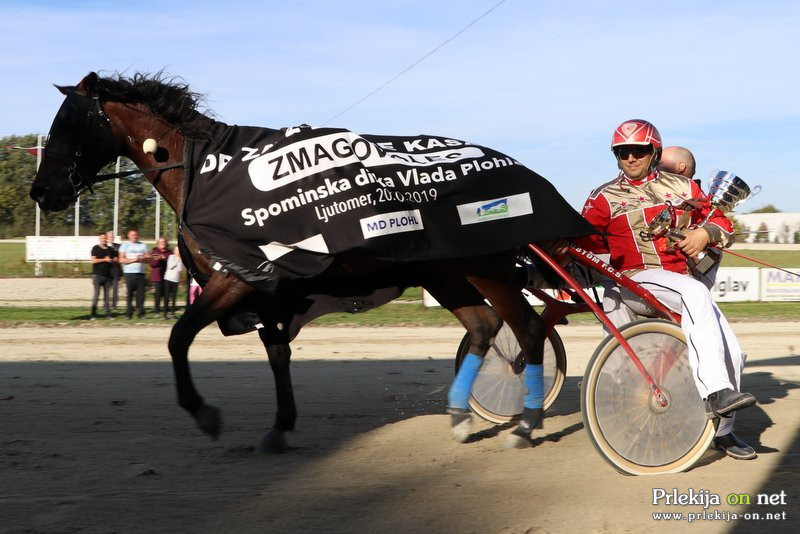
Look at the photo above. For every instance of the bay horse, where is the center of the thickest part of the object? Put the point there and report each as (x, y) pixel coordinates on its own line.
(151, 119)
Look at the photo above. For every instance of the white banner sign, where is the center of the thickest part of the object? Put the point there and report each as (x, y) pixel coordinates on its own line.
(780, 285)
(59, 248)
(736, 284)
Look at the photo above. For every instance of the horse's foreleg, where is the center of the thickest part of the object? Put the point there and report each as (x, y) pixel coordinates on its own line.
(279, 353)
(219, 295)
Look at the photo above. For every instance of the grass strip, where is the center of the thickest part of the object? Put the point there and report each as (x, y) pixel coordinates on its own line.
(403, 313)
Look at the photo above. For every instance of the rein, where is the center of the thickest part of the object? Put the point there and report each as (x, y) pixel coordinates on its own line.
(109, 176)
(727, 251)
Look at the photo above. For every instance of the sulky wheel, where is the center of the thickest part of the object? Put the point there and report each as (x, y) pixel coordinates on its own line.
(630, 430)
(499, 390)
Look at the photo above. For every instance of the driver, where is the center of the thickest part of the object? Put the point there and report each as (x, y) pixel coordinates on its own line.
(620, 210)
(621, 305)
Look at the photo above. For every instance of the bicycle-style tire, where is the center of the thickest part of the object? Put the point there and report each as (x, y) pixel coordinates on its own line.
(498, 392)
(629, 429)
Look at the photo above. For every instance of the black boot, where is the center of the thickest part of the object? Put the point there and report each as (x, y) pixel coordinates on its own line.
(734, 447)
(725, 401)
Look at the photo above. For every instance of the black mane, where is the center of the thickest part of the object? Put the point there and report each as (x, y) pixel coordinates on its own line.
(168, 97)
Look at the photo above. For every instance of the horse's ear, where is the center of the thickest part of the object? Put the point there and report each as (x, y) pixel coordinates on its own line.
(66, 89)
(89, 84)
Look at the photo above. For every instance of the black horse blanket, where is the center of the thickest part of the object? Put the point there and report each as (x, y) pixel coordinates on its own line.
(271, 204)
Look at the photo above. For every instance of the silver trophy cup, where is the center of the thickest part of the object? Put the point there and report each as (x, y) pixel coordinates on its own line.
(727, 191)
(659, 226)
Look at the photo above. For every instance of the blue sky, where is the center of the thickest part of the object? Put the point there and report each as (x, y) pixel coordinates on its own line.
(546, 82)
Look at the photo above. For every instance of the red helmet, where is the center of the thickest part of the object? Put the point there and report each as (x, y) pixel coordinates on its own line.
(636, 132)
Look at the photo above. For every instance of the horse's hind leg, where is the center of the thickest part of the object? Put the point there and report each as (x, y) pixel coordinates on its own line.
(511, 306)
(218, 296)
(277, 344)
(482, 323)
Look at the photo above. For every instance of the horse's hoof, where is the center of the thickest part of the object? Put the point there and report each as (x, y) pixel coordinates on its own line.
(460, 424)
(273, 442)
(520, 437)
(209, 419)
(517, 441)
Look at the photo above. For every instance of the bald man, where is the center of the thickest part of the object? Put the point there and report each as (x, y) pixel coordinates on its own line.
(677, 160)
(680, 160)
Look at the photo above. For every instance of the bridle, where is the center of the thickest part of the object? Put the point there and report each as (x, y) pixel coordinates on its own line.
(79, 182)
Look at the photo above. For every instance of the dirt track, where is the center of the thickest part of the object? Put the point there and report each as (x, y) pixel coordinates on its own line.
(92, 441)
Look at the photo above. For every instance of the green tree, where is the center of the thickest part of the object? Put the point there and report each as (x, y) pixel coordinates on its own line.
(769, 208)
(135, 202)
(18, 211)
(17, 169)
(738, 228)
(763, 234)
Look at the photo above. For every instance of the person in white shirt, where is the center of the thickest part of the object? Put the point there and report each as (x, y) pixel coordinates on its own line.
(172, 278)
(133, 254)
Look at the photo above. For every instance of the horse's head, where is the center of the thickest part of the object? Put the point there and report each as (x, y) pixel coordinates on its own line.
(80, 143)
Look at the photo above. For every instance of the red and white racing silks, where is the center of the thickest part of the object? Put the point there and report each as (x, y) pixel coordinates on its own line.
(622, 208)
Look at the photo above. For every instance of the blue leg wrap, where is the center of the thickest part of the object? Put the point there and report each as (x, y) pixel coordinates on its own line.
(534, 381)
(458, 397)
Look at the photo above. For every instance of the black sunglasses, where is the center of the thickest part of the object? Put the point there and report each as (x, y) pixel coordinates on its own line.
(638, 151)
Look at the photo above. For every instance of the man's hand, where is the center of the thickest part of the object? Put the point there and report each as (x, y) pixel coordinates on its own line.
(695, 242)
(558, 250)
(559, 247)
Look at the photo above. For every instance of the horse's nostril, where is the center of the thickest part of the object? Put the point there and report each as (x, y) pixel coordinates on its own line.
(38, 192)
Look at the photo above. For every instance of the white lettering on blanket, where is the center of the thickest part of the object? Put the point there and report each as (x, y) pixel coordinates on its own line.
(283, 166)
(258, 216)
(325, 212)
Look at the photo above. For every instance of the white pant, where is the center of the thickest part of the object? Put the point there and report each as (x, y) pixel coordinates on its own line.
(714, 352)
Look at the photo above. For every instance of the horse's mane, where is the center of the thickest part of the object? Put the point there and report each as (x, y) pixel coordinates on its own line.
(168, 97)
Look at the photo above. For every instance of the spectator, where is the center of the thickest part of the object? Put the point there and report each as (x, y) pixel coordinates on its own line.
(158, 264)
(104, 260)
(132, 255)
(172, 278)
(116, 270)
(194, 289)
